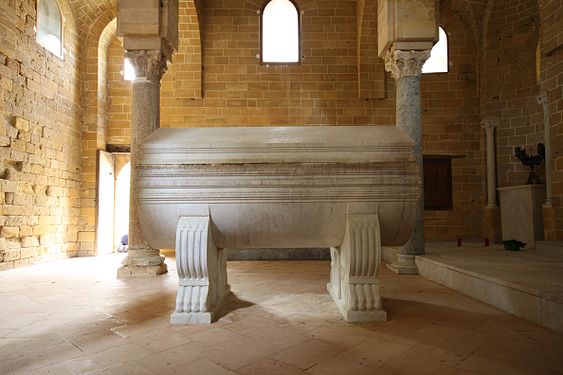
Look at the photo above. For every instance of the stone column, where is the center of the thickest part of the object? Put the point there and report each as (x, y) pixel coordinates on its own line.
(406, 68)
(150, 65)
(543, 99)
(548, 210)
(491, 214)
(490, 126)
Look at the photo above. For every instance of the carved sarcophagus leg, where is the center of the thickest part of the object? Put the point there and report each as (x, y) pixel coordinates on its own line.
(208, 190)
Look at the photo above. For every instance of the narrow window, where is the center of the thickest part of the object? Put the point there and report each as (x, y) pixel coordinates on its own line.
(438, 61)
(50, 26)
(280, 25)
(129, 73)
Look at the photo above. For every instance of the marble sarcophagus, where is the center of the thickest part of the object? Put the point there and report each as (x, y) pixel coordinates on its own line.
(203, 191)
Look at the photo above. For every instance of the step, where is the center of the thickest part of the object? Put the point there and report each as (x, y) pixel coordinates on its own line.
(539, 300)
(550, 248)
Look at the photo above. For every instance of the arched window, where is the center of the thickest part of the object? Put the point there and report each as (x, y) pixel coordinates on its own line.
(438, 61)
(129, 73)
(50, 26)
(280, 26)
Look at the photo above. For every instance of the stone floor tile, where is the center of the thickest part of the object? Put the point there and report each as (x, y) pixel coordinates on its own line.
(113, 357)
(309, 353)
(483, 365)
(159, 340)
(373, 353)
(125, 369)
(338, 366)
(51, 370)
(270, 367)
(164, 361)
(33, 358)
(200, 367)
(343, 336)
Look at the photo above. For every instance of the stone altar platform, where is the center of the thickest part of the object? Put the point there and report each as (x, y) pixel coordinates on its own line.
(524, 283)
(205, 191)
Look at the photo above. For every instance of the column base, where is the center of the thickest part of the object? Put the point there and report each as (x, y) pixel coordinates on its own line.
(141, 271)
(404, 265)
(549, 226)
(491, 224)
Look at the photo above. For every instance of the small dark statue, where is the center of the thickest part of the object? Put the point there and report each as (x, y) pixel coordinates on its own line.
(531, 161)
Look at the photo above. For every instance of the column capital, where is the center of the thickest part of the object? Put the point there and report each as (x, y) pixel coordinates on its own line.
(148, 64)
(402, 63)
(543, 97)
(489, 123)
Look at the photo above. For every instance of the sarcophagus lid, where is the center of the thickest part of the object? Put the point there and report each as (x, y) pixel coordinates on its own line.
(284, 144)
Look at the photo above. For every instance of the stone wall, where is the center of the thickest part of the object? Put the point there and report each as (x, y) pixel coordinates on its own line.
(451, 127)
(238, 91)
(552, 79)
(119, 93)
(510, 83)
(39, 140)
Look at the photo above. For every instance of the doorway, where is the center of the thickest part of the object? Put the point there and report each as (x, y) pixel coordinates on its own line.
(112, 200)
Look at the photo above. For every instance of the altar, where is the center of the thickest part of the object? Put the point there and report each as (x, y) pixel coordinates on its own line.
(204, 191)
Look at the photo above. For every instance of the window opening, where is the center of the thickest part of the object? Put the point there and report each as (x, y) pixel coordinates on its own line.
(129, 73)
(50, 26)
(280, 26)
(438, 61)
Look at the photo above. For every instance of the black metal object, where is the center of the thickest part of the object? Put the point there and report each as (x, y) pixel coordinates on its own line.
(531, 161)
(513, 245)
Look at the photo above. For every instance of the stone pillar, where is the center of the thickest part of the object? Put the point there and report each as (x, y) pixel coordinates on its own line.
(491, 214)
(150, 65)
(548, 210)
(490, 126)
(406, 68)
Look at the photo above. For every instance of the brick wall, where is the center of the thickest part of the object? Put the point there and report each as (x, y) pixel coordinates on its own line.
(510, 85)
(237, 91)
(39, 141)
(451, 127)
(119, 93)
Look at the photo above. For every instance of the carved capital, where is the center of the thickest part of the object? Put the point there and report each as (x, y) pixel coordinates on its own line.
(489, 123)
(543, 97)
(405, 63)
(149, 64)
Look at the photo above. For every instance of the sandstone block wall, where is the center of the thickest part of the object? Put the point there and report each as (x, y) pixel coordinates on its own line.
(451, 127)
(510, 84)
(39, 141)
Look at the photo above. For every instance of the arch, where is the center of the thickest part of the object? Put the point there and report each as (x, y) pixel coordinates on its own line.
(50, 26)
(439, 58)
(280, 32)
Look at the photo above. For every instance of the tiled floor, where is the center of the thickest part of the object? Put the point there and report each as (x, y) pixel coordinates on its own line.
(75, 317)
